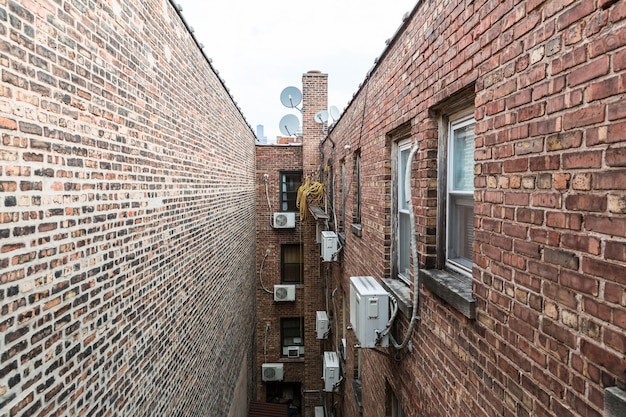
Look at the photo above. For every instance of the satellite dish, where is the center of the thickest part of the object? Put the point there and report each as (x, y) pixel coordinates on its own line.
(289, 124)
(334, 113)
(290, 97)
(321, 116)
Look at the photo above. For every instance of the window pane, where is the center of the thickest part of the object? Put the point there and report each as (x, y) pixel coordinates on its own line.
(402, 162)
(291, 264)
(404, 245)
(463, 158)
(290, 182)
(461, 230)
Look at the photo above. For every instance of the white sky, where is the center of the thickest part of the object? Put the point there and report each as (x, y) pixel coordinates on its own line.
(261, 47)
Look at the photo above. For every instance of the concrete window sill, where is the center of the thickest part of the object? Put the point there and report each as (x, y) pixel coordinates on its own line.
(356, 229)
(402, 294)
(455, 289)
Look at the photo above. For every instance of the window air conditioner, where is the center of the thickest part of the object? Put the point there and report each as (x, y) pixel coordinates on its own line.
(319, 411)
(272, 371)
(322, 325)
(369, 311)
(284, 220)
(331, 371)
(293, 351)
(329, 246)
(284, 292)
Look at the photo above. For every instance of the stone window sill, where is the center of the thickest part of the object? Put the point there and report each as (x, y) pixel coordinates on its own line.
(455, 289)
(402, 294)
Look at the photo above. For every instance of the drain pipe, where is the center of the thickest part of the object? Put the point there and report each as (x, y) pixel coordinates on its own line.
(409, 201)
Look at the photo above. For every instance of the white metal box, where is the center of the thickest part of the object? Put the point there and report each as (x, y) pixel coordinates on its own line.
(369, 311)
(284, 292)
(331, 371)
(319, 411)
(329, 246)
(272, 372)
(322, 325)
(284, 220)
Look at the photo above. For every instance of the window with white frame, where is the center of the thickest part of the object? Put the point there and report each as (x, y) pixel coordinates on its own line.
(460, 192)
(403, 235)
(356, 217)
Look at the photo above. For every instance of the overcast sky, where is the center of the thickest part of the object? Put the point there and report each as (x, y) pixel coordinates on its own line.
(261, 47)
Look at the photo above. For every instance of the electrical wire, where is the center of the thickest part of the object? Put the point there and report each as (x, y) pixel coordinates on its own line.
(267, 252)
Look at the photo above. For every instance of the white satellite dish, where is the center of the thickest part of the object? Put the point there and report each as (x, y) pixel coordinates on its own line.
(289, 124)
(291, 97)
(321, 116)
(334, 113)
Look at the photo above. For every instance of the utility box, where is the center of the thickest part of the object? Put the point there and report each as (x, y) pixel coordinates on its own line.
(322, 325)
(329, 246)
(319, 411)
(369, 311)
(331, 371)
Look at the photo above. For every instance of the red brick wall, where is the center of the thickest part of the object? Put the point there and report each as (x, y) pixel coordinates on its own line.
(127, 216)
(310, 295)
(549, 206)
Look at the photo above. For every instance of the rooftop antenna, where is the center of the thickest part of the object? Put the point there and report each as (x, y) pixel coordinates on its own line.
(289, 125)
(291, 97)
(334, 113)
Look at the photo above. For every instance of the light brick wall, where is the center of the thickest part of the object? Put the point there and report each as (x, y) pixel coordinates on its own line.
(549, 206)
(127, 216)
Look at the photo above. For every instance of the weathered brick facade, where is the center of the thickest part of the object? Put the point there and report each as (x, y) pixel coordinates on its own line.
(127, 228)
(302, 374)
(546, 81)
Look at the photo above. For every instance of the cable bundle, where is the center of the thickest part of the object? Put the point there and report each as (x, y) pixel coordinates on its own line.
(311, 193)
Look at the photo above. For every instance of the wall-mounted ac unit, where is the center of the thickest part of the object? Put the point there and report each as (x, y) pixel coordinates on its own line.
(331, 371)
(284, 292)
(343, 348)
(322, 325)
(329, 246)
(319, 411)
(284, 220)
(272, 371)
(369, 311)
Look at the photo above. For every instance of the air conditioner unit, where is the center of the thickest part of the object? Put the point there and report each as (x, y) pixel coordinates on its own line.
(272, 371)
(293, 351)
(331, 371)
(319, 411)
(284, 220)
(343, 348)
(322, 325)
(369, 311)
(284, 292)
(329, 246)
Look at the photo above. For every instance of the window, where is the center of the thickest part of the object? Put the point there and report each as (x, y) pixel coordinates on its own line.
(289, 184)
(403, 235)
(356, 216)
(292, 337)
(344, 194)
(292, 267)
(396, 407)
(460, 194)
